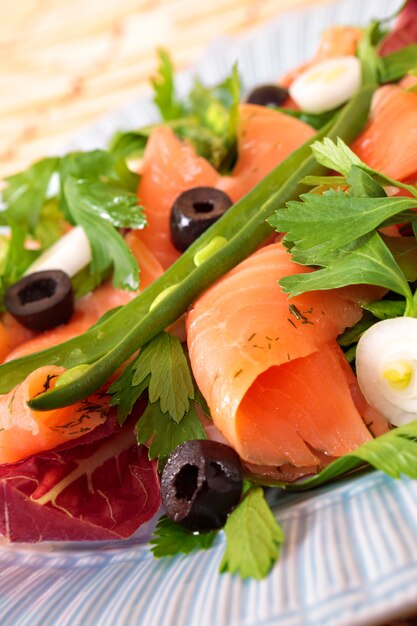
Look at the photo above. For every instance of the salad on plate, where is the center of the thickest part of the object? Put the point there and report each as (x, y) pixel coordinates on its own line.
(216, 305)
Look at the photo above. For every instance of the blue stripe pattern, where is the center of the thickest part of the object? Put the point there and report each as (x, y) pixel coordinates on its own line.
(350, 557)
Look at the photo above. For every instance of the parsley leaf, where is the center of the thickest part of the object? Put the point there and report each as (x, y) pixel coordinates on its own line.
(26, 192)
(397, 64)
(164, 433)
(91, 165)
(404, 251)
(394, 453)
(170, 418)
(125, 394)
(108, 247)
(365, 261)
(164, 90)
(368, 55)
(253, 537)
(316, 120)
(335, 155)
(354, 333)
(110, 203)
(385, 309)
(128, 144)
(338, 156)
(207, 118)
(362, 185)
(16, 259)
(163, 359)
(51, 224)
(169, 539)
(322, 224)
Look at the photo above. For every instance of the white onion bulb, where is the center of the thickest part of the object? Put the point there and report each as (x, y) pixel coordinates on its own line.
(386, 367)
(327, 85)
(69, 254)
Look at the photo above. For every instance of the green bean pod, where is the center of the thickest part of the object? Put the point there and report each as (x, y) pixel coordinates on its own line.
(236, 235)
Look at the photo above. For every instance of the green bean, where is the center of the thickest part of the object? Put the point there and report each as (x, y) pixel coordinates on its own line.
(107, 345)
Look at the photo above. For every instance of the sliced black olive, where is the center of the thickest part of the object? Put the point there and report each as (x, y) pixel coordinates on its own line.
(194, 211)
(201, 484)
(268, 95)
(41, 300)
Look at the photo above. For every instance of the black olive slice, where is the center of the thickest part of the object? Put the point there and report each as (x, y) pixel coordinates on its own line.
(268, 95)
(201, 484)
(41, 300)
(194, 211)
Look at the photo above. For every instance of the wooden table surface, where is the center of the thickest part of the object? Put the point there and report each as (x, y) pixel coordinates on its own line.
(65, 63)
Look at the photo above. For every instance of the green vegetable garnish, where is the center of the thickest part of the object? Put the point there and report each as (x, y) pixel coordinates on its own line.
(170, 539)
(394, 453)
(96, 191)
(337, 231)
(207, 118)
(253, 537)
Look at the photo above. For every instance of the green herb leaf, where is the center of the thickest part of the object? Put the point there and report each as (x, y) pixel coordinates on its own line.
(17, 258)
(128, 144)
(253, 538)
(322, 224)
(397, 64)
(394, 453)
(404, 251)
(109, 203)
(85, 281)
(207, 118)
(368, 55)
(163, 359)
(362, 185)
(212, 120)
(164, 433)
(316, 120)
(108, 248)
(365, 261)
(51, 224)
(26, 192)
(324, 181)
(385, 309)
(164, 90)
(353, 334)
(93, 165)
(336, 155)
(169, 539)
(125, 394)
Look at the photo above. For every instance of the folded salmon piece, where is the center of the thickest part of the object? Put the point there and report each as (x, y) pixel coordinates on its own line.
(276, 382)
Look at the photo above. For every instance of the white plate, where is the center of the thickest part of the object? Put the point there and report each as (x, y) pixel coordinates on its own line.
(350, 556)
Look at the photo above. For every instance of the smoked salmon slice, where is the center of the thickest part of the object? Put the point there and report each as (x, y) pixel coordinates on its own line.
(24, 432)
(170, 166)
(388, 143)
(269, 367)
